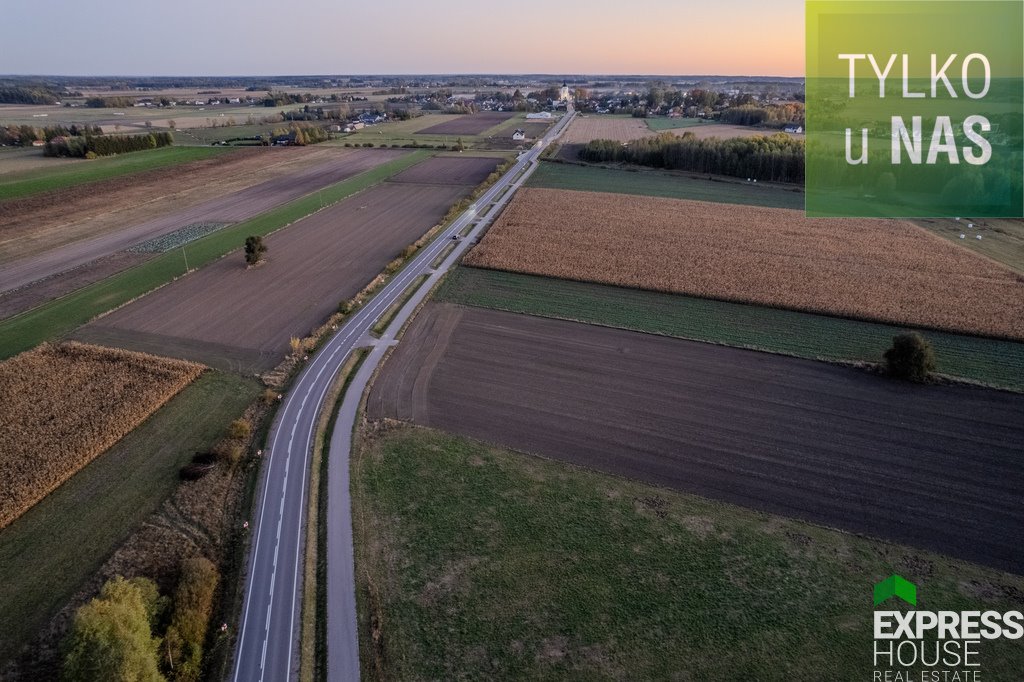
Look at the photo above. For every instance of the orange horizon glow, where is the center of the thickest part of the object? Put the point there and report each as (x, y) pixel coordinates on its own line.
(656, 37)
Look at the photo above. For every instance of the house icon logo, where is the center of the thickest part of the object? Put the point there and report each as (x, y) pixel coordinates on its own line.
(896, 586)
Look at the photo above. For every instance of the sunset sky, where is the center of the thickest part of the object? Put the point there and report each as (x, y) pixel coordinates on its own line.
(240, 37)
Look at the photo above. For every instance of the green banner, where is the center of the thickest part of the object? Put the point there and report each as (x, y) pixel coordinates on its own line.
(915, 108)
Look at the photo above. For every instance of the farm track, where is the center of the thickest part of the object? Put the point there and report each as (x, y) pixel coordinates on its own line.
(242, 319)
(934, 467)
(119, 233)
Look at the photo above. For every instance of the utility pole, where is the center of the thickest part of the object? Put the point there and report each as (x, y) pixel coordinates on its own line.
(186, 258)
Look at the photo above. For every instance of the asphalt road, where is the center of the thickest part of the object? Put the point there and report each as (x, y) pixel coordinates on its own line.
(268, 641)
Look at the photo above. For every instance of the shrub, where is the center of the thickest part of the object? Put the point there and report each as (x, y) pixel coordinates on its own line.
(239, 429)
(230, 453)
(192, 606)
(254, 249)
(193, 472)
(911, 357)
(111, 637)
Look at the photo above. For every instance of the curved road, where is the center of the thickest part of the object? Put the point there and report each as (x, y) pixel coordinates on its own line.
(267, 646)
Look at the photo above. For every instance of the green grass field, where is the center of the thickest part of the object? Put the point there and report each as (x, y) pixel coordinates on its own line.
(988, 361)
(663, 184)
(51, 550)
(205, 136)
(491, 564)
(1002, 239)
(17, 185)
(65, 314)
(659, 124)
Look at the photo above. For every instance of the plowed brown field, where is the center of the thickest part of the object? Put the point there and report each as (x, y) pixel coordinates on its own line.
(830, 445)
(470, 124)
(883, 270)
(237, 319)
(62, 406)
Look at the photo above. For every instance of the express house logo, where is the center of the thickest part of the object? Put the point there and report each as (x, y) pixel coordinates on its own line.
(917, 645)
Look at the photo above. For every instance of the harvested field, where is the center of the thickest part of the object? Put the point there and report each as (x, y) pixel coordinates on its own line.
(450, 170)
(62, 406)
(468, 124)
(238, 319)
(55, 286)
(117, 233)
(833, 446)
(882, 270)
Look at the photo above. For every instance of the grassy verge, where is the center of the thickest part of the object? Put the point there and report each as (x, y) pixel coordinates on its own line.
(313, 653)
(393, 309)
(487, 563)
(61, 316)
(998, 363)
(663, 184)
(51, 550)
(18, 185)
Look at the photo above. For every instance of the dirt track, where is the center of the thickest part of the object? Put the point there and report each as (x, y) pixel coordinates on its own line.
(227, 208)
(935, 467)
(469, 124)
(230, 317)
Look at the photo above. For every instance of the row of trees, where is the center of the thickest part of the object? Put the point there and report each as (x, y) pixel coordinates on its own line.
(24, 135)
(89, 146)
(117, 635)
(777, 158)
(774, 114)
(110, 102)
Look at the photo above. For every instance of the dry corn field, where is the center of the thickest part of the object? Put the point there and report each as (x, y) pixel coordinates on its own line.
(587, 128)
(63, 405)
(883, 270)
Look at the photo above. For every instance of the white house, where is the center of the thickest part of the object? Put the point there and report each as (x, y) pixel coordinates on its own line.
(518, 135)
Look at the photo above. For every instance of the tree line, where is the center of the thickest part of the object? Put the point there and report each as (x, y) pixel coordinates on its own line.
(29, 94)
(777, 158)
(25, 135)
(774, 114)
(110, 102)
(91, 146)
(131, 632)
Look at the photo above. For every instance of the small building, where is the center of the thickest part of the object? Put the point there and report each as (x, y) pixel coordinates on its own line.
(518, 135)
(563, 93)
(539, 114)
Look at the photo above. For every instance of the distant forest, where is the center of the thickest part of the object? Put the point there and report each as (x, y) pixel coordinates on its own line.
(777, 158)
(29, 94)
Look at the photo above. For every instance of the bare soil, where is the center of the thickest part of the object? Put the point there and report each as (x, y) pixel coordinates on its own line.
(242, 319)
(450, 170)
(48, 244)
(49, 288)
(469, 124)
(934, 467)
